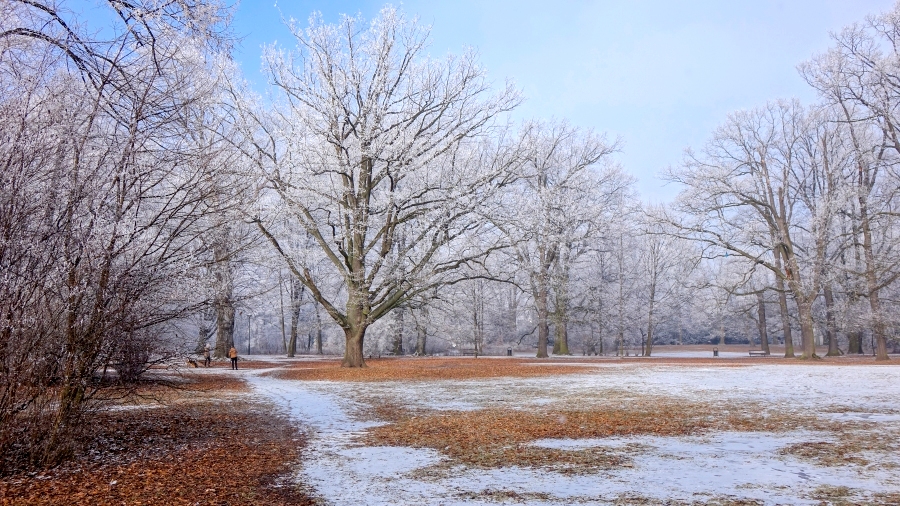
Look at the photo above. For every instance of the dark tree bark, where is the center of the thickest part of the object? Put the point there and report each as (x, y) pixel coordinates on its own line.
(223, 302)
(397, 348)
(319, 332)
(561, 313)
(224, 327)
(543, 326)
(830, 325)
(206, 329)
(297, 291)
(785, 314)
(855, 346)
(421, 340)
(648, 349)
(872, 286)
(761, 322)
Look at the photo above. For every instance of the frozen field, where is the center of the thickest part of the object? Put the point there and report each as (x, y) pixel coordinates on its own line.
(840, 443)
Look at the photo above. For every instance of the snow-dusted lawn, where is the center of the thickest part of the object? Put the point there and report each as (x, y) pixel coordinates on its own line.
(785, 467)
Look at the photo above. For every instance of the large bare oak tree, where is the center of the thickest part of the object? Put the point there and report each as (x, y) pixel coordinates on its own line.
(372, 140)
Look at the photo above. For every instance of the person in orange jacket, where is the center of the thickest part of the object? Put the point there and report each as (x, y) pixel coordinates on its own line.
(232, 354)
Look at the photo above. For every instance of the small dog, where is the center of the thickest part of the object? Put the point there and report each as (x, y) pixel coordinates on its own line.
(191, 362)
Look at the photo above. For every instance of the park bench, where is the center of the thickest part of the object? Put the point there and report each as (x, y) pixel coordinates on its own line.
(761, 353)
(469, 351)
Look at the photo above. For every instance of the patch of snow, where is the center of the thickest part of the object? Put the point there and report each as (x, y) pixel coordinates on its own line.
(699, 354)
(747, 464)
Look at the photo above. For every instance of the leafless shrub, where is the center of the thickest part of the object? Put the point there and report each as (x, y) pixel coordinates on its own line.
(102, 198)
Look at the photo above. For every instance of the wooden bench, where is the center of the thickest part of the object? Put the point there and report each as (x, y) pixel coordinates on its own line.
(469, 351)
(760, 353)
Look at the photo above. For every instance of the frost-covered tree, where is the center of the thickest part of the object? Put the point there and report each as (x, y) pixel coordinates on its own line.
(858, 78)
(104, 194)
(566, 186)
(371, 140)
(666, 263)
(765, 188)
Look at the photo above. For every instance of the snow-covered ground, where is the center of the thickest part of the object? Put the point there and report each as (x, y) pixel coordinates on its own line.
(715, 466)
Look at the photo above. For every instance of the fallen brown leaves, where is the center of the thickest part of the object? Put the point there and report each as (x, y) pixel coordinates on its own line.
(501, 437)
(169, 388)
(243, 363)
(454, 368)
(825, 453)
(439, 368)
(852, 443)
(227, 452)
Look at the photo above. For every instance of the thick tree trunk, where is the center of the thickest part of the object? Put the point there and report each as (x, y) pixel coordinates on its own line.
(354, 325)
(319, 331)
(785, 314)
(421, 338)
(875, 307)
(855, 345)
(543, 338)
(205, 329)
(561, 344)
(224, 327)
(761, 322)
(353, 351)
(297, 291)
(478, 317)
(561, 314)
(804, 311)
(292, 342)
(878, 327)
(648, 348)
(397, 348)
(512, 310)
(421, 321)
(223, 272)
(561, 324)
(804, 301)
(830, 325)
(543, 321)
(871, 269)
(785, 322)
(783, 305)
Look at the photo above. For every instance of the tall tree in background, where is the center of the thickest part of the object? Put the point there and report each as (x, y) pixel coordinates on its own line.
(753, 193)
(665, 264)
(858, 77)
(566, 185)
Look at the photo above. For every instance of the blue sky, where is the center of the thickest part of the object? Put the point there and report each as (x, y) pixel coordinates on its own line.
(661, 75)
